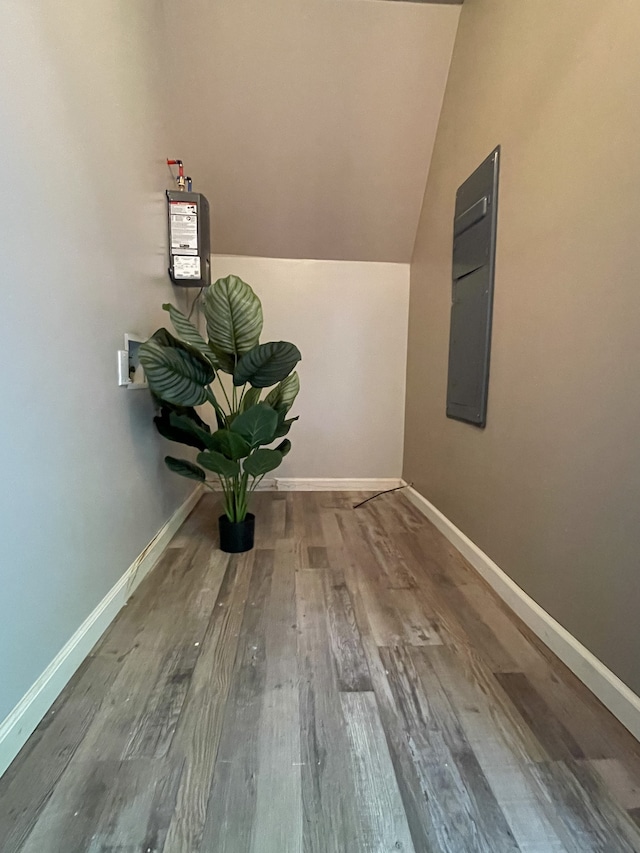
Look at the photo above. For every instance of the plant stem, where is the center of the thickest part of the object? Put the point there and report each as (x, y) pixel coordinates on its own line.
(256, 483)
(217, 376)
(228, 494)
(238, 497)
(211, 398)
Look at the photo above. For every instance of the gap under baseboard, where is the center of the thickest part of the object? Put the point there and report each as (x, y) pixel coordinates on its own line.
(610, 690)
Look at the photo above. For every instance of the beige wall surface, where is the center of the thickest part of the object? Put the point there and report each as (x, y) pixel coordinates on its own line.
(349, 319)
(309, 124)
(82, 261)
(550, 490)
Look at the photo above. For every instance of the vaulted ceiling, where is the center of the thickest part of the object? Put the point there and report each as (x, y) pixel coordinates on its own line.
(309, 124)
(450, 2)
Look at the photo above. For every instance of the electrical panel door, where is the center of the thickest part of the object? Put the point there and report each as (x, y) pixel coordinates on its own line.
(474, 245)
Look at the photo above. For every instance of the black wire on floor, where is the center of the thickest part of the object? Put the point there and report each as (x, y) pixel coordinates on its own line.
(386, 492)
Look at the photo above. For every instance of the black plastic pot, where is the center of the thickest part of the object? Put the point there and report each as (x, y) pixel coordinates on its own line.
(236, 536)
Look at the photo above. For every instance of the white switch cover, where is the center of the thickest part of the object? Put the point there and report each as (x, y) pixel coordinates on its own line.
(123, 367)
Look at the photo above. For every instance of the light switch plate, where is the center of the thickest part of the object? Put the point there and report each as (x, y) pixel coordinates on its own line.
(123, 367)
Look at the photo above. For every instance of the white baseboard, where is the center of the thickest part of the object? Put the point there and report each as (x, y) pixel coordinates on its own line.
(612, 692)
(269, 484)
(22, 721)
(324, 484)
(302, 484)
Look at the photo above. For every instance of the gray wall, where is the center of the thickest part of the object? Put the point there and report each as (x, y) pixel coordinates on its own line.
(551, 488)
(82, 260)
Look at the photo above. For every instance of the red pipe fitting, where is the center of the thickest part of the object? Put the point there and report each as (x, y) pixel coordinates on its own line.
(177, 163)
(180, 178)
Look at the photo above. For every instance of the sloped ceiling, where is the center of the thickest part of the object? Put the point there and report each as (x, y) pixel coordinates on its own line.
(309, 124)
(458, 2)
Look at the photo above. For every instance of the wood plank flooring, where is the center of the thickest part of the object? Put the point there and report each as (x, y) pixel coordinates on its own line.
(350, 686)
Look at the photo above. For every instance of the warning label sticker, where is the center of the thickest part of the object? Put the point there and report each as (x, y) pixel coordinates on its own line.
(184, 228)
(184, 208)
(186, 267)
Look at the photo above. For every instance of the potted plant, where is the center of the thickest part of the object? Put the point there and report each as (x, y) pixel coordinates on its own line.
(188, 371)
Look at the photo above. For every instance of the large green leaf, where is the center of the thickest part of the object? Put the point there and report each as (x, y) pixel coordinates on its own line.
(257, 425)
(262, 461)
(189, 411)
(184, 423)
(230, 444)
(176, 431)
(218, 463)
(284, 447)
(285, 392)
(266, 364)
(187, 331)
(190, 335)
(166, 339)
(176, 374)
(284, 425)
(185, 468)
(251, 398)
(234, 316)
(223, 361)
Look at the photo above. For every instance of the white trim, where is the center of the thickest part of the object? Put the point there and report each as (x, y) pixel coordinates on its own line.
(302, 484)
(268, 484)
(612, 692)
(323, 484)
(22, 721)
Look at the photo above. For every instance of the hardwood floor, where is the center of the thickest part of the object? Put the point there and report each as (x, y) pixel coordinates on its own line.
(350, 685)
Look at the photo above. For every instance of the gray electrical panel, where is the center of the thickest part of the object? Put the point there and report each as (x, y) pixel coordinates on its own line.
(474, 248)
